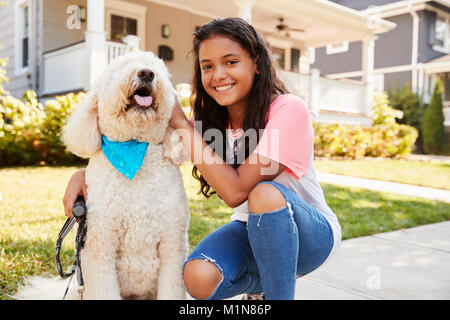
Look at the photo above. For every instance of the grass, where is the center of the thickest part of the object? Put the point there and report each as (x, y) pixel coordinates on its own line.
(435, 174)
(32, 214)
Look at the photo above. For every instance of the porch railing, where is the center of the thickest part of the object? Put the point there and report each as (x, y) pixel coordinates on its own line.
(321, 93)
(115, 49)
(65, 68)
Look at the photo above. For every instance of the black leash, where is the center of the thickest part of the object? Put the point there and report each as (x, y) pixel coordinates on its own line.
(79, 212)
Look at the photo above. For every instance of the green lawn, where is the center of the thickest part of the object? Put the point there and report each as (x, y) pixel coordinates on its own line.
(429, 174)
(32, 214)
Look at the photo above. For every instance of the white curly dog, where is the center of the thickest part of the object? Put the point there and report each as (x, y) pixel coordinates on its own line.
(136, 239)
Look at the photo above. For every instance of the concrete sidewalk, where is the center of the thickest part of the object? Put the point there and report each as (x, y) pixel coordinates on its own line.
(405, 264)
(385, 186)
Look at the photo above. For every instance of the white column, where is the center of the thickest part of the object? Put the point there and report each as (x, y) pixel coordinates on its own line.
(314, 92)
(368, 56)
(95, 40)
(414, 49)
(304, 61)
(245, 9)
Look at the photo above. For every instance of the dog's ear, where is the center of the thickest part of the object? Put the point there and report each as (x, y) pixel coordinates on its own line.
(173, 148)
(81, 134)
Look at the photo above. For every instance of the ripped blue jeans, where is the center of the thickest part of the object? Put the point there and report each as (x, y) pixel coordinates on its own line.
(270, 251)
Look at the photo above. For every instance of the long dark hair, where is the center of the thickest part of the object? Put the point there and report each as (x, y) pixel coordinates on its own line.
(208, 111)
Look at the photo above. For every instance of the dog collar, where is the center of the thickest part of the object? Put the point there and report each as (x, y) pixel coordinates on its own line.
(127, 157)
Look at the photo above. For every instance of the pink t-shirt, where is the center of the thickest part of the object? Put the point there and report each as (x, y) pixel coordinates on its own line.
(288, 139)
(289, 136)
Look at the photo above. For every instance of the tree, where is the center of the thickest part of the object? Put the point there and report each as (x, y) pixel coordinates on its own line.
(403, 98)
(433, 122)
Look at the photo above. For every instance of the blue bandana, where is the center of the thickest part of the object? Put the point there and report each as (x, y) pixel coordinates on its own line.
(127, 157)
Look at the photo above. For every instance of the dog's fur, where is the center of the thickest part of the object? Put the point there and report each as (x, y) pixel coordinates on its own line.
(136, 241)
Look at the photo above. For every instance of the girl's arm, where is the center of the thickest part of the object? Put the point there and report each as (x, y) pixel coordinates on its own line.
(233, 186)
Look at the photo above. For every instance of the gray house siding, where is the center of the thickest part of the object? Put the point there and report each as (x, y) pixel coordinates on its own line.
(387, 53)
(396, 79)
(338, 62)
(394, 48)
(391, 49)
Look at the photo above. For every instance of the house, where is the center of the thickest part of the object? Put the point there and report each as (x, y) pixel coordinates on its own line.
(58, 46)
(416, 51)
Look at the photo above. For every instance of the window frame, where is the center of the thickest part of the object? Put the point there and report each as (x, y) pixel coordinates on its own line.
(19, 36)
(127, 10)
(340, 48)
(445, 48)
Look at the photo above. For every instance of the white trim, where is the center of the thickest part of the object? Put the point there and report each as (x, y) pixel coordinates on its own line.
(64, 50)
(19, 5)
(359, 73)
(128, 10)
(414, 49)
(333, 49)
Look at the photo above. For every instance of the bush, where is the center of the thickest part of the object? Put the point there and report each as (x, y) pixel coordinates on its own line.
(385, 138)
(19, 127)
(50, 145)
(433, 122)
(411, 104)
(30, 134)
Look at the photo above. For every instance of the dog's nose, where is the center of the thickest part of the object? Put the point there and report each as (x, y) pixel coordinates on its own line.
(146, 74)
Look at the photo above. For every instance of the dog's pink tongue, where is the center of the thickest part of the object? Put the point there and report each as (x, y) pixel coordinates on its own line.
(143, 101)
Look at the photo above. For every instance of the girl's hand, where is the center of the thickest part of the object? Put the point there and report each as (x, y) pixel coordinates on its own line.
(75, 187)
(178, 117)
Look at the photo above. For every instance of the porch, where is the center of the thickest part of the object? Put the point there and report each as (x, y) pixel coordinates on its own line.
(75, 66)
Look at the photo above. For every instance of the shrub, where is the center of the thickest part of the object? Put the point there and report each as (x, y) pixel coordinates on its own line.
(433, 122)
(411, 104)
(404, 99)
(31, 135)
(385, 138)
(50, 145)
(19, 127)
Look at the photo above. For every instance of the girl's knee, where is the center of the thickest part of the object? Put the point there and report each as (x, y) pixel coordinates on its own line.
(201, 278)
(265, 197)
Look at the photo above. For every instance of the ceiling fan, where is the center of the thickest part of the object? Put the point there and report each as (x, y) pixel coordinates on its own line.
(281, 26)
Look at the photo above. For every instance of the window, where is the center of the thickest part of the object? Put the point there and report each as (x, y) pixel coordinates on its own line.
(333, 49)
(295, 60)
(25, 37)
(21, 35)
(439, 32)
(441, 35)
(278, 57)
(122, 26)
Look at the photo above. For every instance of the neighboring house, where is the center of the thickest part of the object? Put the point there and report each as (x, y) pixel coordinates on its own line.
(416, 51)
(58, 46)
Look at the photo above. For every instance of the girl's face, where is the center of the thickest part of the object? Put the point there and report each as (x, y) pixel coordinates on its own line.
(227, 71)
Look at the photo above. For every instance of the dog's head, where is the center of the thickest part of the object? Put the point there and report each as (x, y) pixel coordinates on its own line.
(132, 99)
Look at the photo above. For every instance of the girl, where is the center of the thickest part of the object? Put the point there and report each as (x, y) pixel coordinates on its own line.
(282, 227)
